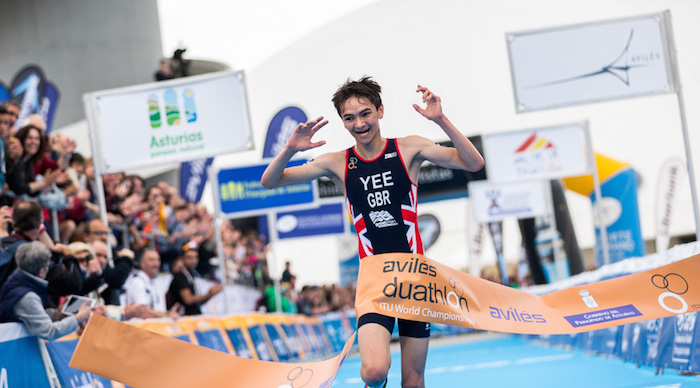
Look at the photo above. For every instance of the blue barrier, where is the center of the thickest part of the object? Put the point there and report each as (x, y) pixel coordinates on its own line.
(605, 341)
(337, 329)
(282, 350)
(61, 353)
(672, 342)
(679, 341)
(322, 335)
(20, 358)
(314, 341)
(262, 347)
(306, 342)
(239, 344)
(295, 341)
(211, 339)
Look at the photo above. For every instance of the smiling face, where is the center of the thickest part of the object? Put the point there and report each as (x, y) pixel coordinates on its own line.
(100, 250)
(150, 263)
(32, 143)
(361, 119)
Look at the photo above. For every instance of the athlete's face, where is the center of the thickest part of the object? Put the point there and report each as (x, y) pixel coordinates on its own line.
(361, 119)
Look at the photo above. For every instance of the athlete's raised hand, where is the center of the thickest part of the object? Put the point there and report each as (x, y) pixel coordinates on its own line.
(300, 140)
(433, 109)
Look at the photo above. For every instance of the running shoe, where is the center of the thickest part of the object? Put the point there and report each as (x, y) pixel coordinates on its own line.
(383, 386)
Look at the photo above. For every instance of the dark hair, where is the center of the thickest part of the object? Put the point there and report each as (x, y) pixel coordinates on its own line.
(147, 193)
(88, 222)
(76, 157)
(132, 179)
(3, 110)
(22, 135)
(365, 87)
(26, 216)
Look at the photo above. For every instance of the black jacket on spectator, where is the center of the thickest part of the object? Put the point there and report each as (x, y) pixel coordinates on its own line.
(116, 277)
(19, 175)
(64, 276)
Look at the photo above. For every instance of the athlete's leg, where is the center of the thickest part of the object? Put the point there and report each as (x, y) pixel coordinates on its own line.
(414, 352)
(375, 356)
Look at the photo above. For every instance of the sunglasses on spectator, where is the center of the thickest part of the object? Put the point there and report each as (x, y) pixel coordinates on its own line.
(100, 232)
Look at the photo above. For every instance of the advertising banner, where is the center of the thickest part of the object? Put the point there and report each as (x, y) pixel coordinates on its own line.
(241, 193)
(618, 211)
(544, 153)
(671, 178)
(193, 177)
(591, 62)
(20, 358)
(294, 340)
(605, 341)
(263, 348)
(411, 286)
(211, 339)
(281, 128)
(130, 361)
(240, 345)
(170, 121)
(4, 93)
(495, 202)
(282, 350)
(326, 219)
(496, 229)
(436, 183)
(679, 342)
(61, 353)
(35, 95)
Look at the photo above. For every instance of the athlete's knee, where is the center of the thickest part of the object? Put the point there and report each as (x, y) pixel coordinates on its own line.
(374, 375)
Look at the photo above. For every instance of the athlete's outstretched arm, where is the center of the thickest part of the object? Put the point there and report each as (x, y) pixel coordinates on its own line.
(277, 175)
(463, 156)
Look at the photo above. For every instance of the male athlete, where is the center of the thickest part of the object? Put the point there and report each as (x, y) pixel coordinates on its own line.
(379, 178)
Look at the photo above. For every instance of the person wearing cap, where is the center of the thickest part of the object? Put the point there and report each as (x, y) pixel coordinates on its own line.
(183, 289)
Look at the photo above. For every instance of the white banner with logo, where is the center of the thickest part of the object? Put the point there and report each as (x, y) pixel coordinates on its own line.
(495, 202)
(170, 121)
(544, 153)
(592, 62)
(671, 178)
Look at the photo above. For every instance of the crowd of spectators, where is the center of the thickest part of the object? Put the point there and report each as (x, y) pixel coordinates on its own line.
(151, 230)
(310, 300)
